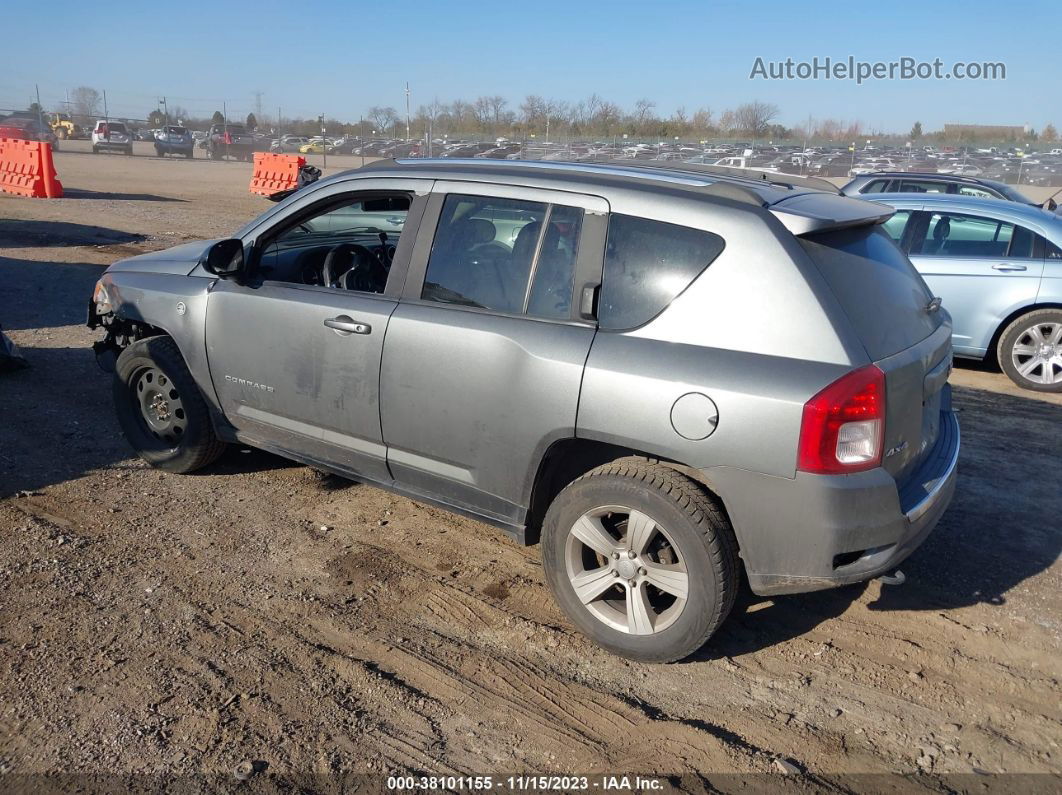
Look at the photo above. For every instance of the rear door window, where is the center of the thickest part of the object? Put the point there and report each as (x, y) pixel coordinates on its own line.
(647, 264)
(974, 236)
(922, 186)
(506, 255)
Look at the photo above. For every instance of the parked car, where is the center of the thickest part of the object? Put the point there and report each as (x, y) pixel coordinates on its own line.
(914, 182)
(316, 146)
(229, 140)
(287, 144)
(174, 140)
(27, 129)
(998, 268)
(111, 136)
(564, 351)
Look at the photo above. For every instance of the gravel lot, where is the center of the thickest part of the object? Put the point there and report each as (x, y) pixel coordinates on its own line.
(165, 624)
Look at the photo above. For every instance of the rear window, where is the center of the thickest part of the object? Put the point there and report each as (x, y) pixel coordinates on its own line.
(647, 264)
(176, 130)
(876, 285)
(116, 127)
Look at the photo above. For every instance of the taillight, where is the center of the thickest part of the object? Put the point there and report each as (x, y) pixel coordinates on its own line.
(843, 426)
(228, 138)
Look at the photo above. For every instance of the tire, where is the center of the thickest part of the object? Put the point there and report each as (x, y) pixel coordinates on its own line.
(129, 151)
(95, 150)
(686, 531)
(158, 152)
(152, 380)
(1030, 350)
(61, 133)
(190, 154)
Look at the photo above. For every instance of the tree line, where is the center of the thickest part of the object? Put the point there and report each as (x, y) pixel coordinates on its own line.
(544, 118)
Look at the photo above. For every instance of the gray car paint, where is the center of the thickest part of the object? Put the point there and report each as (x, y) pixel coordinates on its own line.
(468, 402)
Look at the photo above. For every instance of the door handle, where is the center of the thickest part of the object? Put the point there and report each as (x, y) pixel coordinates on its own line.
(1003, 266)
(344, 325)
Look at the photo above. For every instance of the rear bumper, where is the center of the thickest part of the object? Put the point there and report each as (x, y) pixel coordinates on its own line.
(113, 145)
(814, 532)
(163, 146)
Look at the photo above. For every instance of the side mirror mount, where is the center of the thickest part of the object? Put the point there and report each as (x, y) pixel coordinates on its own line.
(225, 259)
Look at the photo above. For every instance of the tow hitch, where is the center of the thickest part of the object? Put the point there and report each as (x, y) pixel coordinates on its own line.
(896, 578)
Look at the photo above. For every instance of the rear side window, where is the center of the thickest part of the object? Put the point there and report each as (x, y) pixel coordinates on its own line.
(647, 264)
(876, 285)
(877, 186)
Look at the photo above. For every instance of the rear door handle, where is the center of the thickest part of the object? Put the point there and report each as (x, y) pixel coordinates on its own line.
(1003, 266)
(345, 325)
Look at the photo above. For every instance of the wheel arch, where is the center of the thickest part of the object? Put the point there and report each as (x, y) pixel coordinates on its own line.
(570, 458)
(992, 355)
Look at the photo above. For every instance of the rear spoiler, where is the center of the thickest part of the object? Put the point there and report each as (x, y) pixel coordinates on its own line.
(808, 213)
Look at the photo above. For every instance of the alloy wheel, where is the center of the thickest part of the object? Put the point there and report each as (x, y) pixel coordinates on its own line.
(626, 570)
(1037, 353)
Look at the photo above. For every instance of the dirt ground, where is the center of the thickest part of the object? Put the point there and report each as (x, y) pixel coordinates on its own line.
(174, 625)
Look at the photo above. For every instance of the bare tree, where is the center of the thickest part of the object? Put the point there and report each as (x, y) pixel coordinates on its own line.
(753, 118)
(702, 120)
(85, 102)
(383, 117)
(643, 110)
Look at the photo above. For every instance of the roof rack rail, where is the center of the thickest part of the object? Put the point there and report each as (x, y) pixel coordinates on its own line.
(790, 181)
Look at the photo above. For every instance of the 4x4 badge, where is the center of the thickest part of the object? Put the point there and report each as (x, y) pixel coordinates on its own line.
(897, 449)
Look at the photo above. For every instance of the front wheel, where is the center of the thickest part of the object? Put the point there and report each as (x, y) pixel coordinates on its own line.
(641, 559)
(160, 409)
(1030, 351)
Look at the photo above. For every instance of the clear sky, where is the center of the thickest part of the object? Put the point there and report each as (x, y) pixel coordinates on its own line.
(339, 58)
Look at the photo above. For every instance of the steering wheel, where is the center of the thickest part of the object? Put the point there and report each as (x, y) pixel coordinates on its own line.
(356, 257)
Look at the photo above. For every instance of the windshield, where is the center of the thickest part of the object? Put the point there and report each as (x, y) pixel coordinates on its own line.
(115, 126)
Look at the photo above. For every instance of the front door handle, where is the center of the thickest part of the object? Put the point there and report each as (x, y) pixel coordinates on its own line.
(1003, 266)
(345, 325)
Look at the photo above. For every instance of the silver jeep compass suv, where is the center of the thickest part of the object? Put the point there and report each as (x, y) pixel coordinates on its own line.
(662, 374)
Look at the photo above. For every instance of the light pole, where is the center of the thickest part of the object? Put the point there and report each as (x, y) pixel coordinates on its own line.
(324, 143)
(407, 110)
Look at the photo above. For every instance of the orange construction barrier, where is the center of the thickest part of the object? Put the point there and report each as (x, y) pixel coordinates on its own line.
(274, 173)
(26, 169)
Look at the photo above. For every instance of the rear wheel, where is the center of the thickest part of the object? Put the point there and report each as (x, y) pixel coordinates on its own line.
(95, 150)
(160, 408)
(641, 559)
(1030, 350)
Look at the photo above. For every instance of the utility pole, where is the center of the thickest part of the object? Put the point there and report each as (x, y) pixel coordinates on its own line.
(106, 116)
(40, 113)
(258, 104)
(407, 110)
(166, 109)
(324, 143)
(278, 121)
